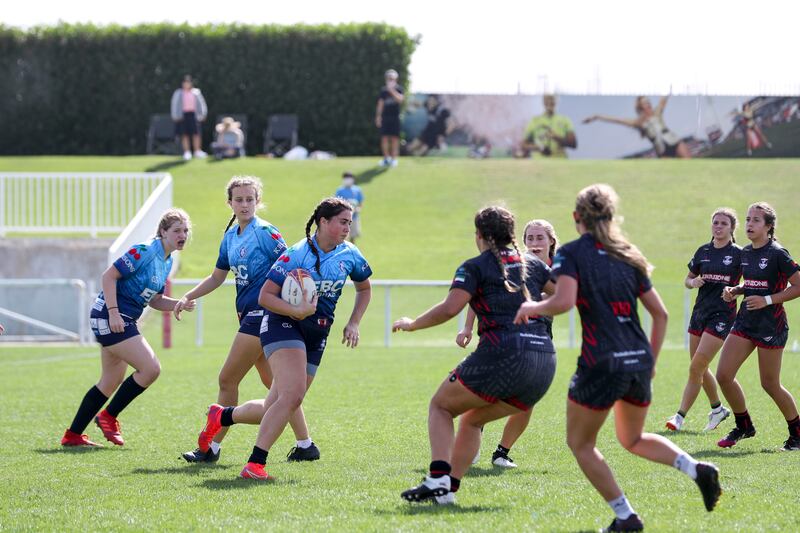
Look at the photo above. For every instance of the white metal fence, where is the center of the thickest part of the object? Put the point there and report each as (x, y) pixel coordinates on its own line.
(35, 310)
(58, 202)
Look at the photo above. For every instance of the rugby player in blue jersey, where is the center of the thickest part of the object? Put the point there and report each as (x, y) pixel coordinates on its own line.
(248, 249)
(771, 278)
(293, 338)
(603, 274)
(714, 266)
(134, 281)
(509, 371)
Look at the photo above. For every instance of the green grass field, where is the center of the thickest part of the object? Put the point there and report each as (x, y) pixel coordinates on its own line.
(367, 409)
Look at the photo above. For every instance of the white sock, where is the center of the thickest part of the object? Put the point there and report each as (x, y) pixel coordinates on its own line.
(718, 409)
(621, 507)
(215, 446)
(305, 443)
(686, 464)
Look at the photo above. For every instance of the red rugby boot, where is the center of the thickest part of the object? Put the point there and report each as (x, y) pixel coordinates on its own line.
(110, 427)
(213, 425)
(71, 438)
(255, 471)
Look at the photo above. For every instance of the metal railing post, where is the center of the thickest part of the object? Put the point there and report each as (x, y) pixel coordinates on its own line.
(387, 316)
(198, 332)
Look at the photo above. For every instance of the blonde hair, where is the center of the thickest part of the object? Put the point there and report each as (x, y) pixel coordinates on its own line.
(244, 181)
(548, 229)
(770, 217)
(731, 214)
(596, 205)
(170, 217)
(496, 226)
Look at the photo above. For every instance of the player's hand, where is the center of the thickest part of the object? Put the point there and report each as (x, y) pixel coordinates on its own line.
(305, 309)
(115, 322)
(402, 324)
(378, 122)
(697, 282)
(463, 337)
(350, 335)
(728, 294)
(587, 120)
(526, 310)
(754, 303)
(183, 305)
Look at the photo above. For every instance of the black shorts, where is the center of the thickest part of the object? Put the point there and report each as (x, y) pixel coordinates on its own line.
(716, 324)
(390, 126)
(98, 321)
(278, 331)
(250, 324)
(519, 378)
(670, 150)
(597, 388)
(771, 342)
(430, 137)
(188, 125)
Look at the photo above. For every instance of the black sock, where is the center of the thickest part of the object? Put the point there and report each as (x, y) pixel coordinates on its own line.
(440, 468)
(502, 449)
(682, 413)
(127, 392)
(227, 417)
(455, 483)
(743, 420)
(91, 404)
(259, 456)
(794, 426)
(715, 405)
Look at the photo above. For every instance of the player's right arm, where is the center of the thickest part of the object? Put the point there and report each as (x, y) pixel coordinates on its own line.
(379, 113)
(109, 283)
(631, 123)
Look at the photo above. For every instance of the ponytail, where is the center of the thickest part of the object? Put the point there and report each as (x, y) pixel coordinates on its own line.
(496, 226)
(327, 209)
(311, 242)
(230, 223)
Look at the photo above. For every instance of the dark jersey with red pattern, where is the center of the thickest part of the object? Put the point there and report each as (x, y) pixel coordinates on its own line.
(494, 305)
(608, 290)
(718, 268)
(766, 271)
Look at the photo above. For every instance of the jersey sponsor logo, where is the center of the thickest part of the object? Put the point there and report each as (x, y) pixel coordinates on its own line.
(286, 325)
(727, 260)
(329, 288)
(364, 267)
(264, 324)
(285, 257)
(128, 263)
(137, 251)
(242, 251)
(716, 278)
(279, 269)
(240, 272)
(756, 284)
(629, 353)
(98, 304)
(762, 263)
(622, 310)
(148, 295)
(767, 339)
(721, 326)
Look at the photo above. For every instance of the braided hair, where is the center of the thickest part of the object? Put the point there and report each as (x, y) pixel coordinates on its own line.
(596, 205)
(243, 181)
(327, 209)
(770, 217)
(496, 227)
(731, 214)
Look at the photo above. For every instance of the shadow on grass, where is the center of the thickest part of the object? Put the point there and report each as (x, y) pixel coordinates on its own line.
(187, 469)
(78, 450)
(728, 453)
(668, 433)
(238, 483)
(166, 165)
(411, 509)
(369, 174)
(484, 471)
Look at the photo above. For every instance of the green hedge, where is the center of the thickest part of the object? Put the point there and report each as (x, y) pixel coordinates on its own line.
(82, 89)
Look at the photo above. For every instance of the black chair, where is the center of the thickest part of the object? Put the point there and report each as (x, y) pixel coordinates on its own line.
(161, 138)
(280, 136)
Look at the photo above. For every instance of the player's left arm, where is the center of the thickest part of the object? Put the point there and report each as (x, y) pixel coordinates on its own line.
(789, 293)
(159, 302)
(363, 296)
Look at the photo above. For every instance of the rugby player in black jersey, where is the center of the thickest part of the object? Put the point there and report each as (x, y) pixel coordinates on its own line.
(771, 278)
(714, 266)
(603, 275)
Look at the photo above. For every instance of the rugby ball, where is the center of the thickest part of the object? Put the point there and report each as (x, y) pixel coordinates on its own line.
(298, 285)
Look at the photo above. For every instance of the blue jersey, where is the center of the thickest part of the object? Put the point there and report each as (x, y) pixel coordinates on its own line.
(335, 267)
(353, 195)
(249, 254)
(144, 271)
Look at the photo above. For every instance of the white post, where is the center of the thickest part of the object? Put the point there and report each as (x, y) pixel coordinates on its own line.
(93, 207)
(686, 315)
(387, 316)
(198, 331)
(2, 206)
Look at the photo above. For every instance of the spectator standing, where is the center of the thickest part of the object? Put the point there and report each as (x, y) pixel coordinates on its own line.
(188, 110)
(352, 193)
(387, 118)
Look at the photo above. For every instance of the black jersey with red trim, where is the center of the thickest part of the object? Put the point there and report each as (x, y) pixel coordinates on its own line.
(608, 290)
(718, 268)
(494, 305)
(766, 271)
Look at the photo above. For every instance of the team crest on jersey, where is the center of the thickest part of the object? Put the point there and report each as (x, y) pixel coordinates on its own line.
(154, 279)
(242, 251)
(721, 327)
(727, 260)
(762, 264)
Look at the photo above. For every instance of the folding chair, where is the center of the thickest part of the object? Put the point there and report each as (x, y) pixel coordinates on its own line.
(161, 138)
(280, 136)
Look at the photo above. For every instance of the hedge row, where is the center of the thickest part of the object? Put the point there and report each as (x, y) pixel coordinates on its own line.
(82, 89)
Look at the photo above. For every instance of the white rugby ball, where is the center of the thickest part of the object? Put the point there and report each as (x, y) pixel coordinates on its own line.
(298, 285)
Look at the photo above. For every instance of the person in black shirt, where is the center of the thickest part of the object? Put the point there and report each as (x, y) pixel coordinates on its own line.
(387, 118)
(771, 278)
(510, 370)
(603, 275)
(435, 130)
(715, 265)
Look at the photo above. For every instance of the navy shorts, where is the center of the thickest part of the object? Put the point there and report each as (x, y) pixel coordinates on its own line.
(517, 377)
(598, 388)
(278, 331)
(390, 126)
(187, 125)
(98, 321)
(716, 324)
(250, 324)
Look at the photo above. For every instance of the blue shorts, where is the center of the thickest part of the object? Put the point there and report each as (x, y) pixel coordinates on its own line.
(187, 125)
(278, 331)
(250, 324)
(98, 321)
